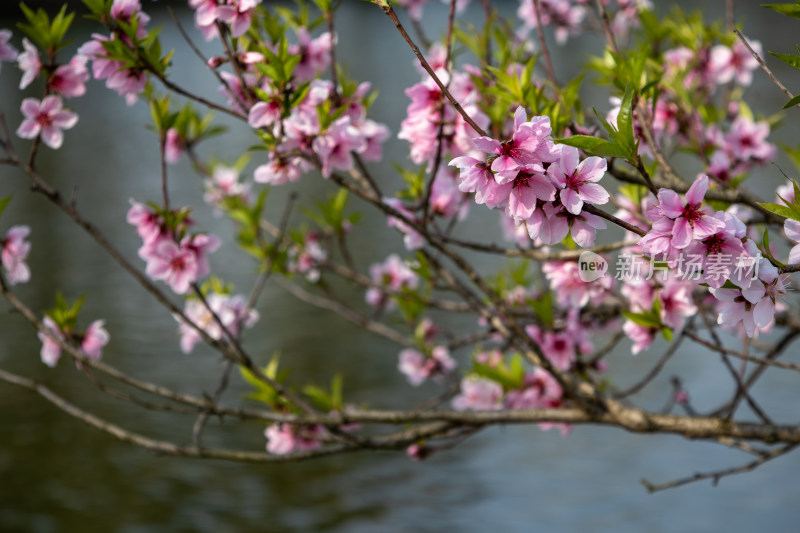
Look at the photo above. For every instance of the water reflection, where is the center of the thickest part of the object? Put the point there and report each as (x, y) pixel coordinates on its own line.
(59, 475)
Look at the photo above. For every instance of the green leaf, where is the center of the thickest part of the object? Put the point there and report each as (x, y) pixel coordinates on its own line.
(264, 392)
(318, 396)
(594, 146)
(791, 103)
(791, 10)
(647, 320)
(625, 123)
(543, 307)
(516, 368)
(782, 210)
(789, 59)
(4, 203)
(336, 392)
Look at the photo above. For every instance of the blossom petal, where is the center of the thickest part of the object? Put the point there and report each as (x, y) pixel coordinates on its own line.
(681, 233)
(670, 203)
(764, 312)
(792, 229)
(594, 194)
(487, 144)
(571, 200)
(593, 168)
(697, 191)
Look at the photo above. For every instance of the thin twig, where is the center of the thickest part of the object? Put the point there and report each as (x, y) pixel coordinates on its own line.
(764, 66)
(393, 16)
(715, 476)
(741, 388)
(195, 49)
(611, 218)
(655, 371)
(202, 418)
(342, 310)
(545, 51)
(261, 281)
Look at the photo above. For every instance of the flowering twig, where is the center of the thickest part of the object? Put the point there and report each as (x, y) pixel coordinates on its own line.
(393, 16)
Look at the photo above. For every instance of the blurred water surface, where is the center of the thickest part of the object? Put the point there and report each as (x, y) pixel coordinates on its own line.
(58, 475)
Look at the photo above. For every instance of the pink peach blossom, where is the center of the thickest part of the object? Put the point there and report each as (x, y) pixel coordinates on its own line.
(29, 63)
(46, 118)
(478, 394)
(13, 252)
(51, 350)
(7, 51)
(95, 338)
(577, 180)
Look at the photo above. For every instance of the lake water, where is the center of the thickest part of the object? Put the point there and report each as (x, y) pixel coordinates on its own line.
(58, 475)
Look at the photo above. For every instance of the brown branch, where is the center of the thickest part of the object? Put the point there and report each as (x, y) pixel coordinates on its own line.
(744, 356)
(611, 218)
(543, 44)
(425, 65)
(342, 310)
(741, 388)
(764, 66)
(194, 47)
(715, 476)
(655, 371)
(261, 281)
(202, 418)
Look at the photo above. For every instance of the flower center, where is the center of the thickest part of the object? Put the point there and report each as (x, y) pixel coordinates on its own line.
(714, 244)
(43, 119)
(692, 213)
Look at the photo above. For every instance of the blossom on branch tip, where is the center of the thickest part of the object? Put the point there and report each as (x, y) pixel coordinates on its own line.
(70, 80)
(51, 350)
(173, 264)
(754, 306)
(392, 276)
(13, 252)
(224, 184)
(792, 229)
(314, 53)
(7, 51)
(479, 394)
(91, 342)
(577, 179)
(231, 311)
(418, 367)
(283, 439)
(29, 63)
(306, 257)
(95, 338)
(642, 336)
(476, 176)
(677, 223)
(126, 82)
(528, 186)
(47, 119)
(568, 287)
(565, 16)
(173, 146)
(177, 264)
(530, 144)
(734, 62)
